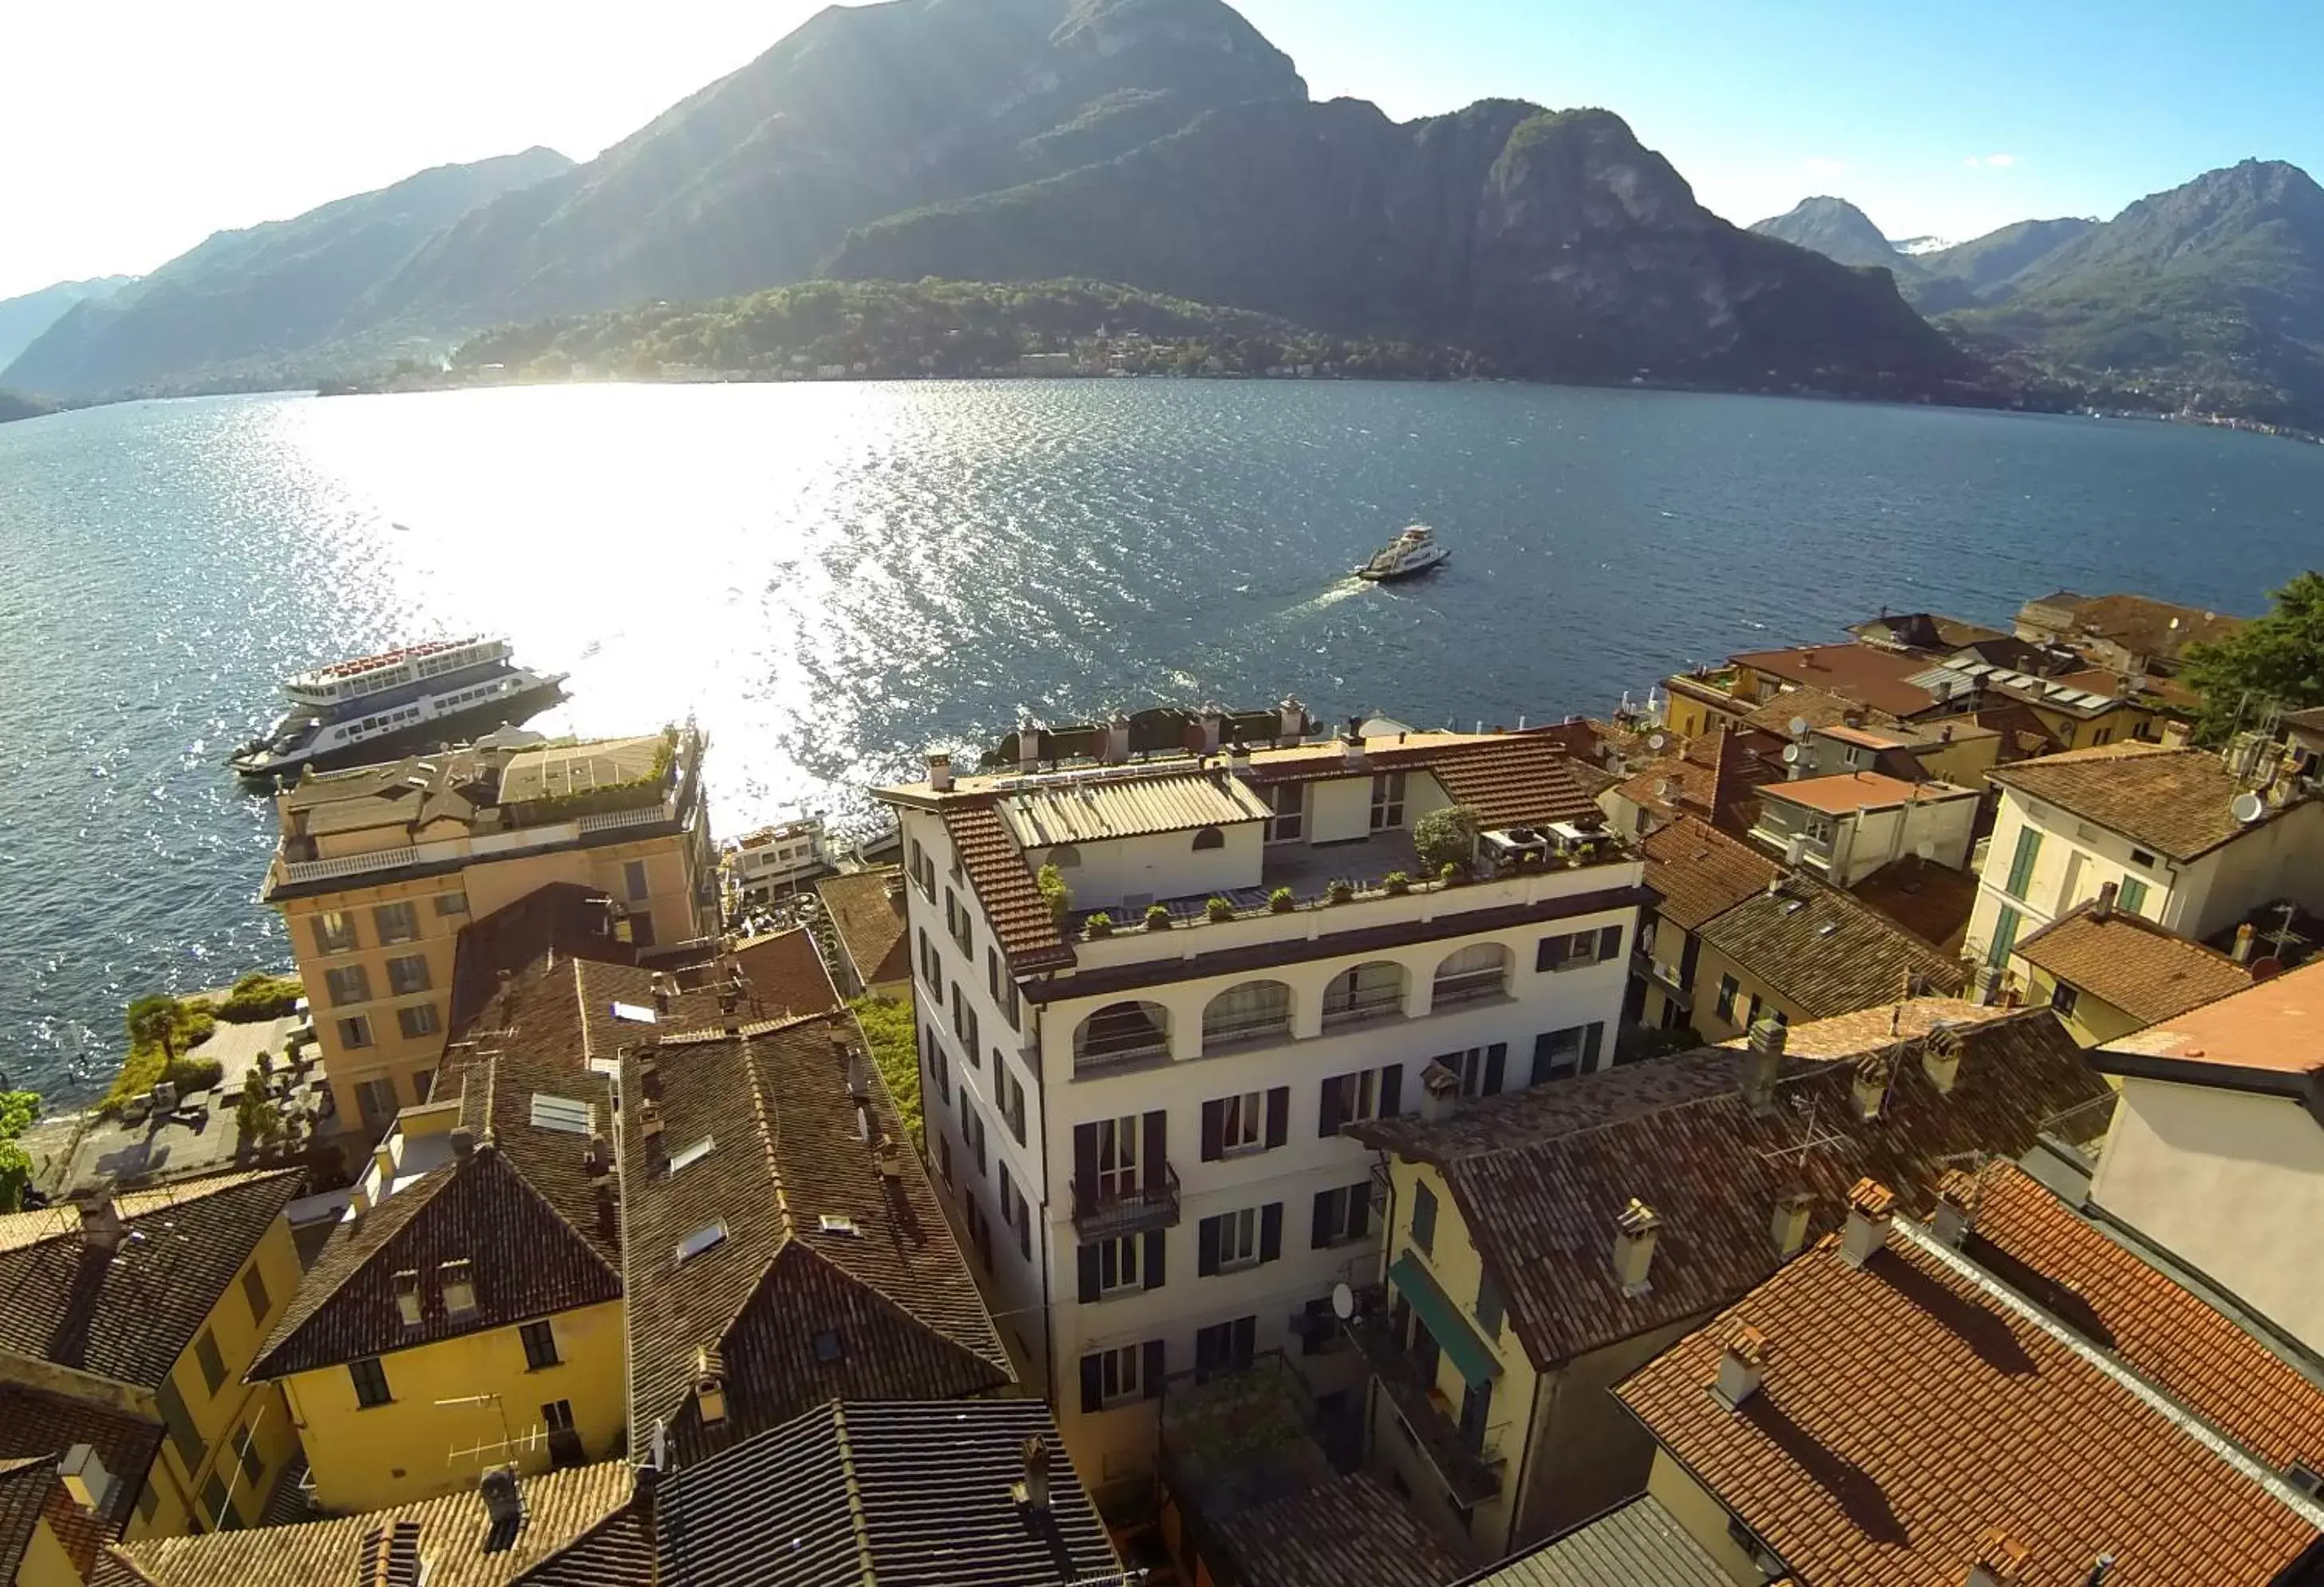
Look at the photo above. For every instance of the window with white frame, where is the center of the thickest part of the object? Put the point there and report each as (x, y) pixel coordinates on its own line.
(1238, 1239)
(1288, 801)
(1120, 1265)
(1243, 1123)
(1119, 1378)
(1388, 800)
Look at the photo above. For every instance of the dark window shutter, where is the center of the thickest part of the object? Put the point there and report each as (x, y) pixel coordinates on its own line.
(1542, 1056)
(1496, 1064)
(1152, 1375)
(1544, 953)
(1279, 1115)
(1391, 1091)
(1206, 1248)
(1214, 1128)
(1609, 943)
(1092, 1386)
(1322, 1234)
(1085, 1160)
(1246, 1339)
(1157, 1148)
(1086, 1258)
(1334, 1109)
(1157, 1246)
(1591, 1038)
(1270, 1231)
(1360, 1209)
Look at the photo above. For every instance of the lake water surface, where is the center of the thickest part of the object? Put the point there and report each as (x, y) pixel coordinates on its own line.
(833, 577)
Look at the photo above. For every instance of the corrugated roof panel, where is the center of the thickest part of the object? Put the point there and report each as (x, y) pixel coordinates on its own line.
(1096, 809)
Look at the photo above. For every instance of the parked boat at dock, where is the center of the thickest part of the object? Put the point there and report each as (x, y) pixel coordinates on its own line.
(373, 708)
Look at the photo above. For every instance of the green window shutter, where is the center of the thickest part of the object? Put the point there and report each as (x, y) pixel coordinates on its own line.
(180, 1424)
(2133, 896)
(2004, 937)
(2021, 865)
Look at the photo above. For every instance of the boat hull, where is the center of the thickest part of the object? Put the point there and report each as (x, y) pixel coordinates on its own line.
(453, 727)
(1392, 575)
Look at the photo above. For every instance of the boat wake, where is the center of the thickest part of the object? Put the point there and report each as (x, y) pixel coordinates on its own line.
(1344, 590)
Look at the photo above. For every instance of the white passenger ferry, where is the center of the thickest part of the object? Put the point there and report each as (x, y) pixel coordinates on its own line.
(375, 708)
(1415, 550)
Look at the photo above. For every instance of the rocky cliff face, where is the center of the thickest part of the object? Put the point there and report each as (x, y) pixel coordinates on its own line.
(1552, 240)
(1834, 227)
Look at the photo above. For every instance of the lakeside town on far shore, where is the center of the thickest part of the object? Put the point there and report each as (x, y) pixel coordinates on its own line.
(1218, 1145)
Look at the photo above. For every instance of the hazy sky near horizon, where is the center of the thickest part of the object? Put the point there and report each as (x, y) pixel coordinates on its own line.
(141, 126)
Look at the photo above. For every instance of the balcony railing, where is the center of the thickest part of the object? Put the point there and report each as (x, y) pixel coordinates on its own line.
(1225, 1033)
(1468, 987)
(1473, 1477)
(1104, 1058)
(1105, 1210)
(1377, 1005)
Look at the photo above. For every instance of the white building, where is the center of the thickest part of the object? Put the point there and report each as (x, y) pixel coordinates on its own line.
(1848, 825)
(2190, 841)
(773, 859)
(1141, 1130)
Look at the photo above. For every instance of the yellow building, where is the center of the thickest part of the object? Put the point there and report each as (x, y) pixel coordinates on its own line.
(127, 1324)
(377, 870)
(466, 1313)
(1543, 1244)
(2106, 972)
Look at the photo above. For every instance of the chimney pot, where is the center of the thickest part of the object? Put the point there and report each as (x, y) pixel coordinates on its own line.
(1956, 1212)
(87, 1479)
(101, 1226)
(1940, 1056)
(940, 772)
(1636, 1229)
(1868, 1091)
(2246, 935)
(503, 1499)
(2104, 907)
(1440, 1087)
(1788, 1228)
(2000, 1561)
(1763, 1061)
(1742, 1367)
(1870, 1205)
(1033, 1491)
(464, 1142)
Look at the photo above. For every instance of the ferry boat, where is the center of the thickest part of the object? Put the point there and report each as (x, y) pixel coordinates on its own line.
(375, 708)
(1415, 550)
(776, 859)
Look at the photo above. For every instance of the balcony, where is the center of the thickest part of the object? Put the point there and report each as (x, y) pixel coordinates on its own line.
(1665, 976)
(1104, 1212)
(1471, 1475)
(1363, 1010)
(1469, 987)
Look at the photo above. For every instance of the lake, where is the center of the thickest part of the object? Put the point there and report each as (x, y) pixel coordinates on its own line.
(833, 577)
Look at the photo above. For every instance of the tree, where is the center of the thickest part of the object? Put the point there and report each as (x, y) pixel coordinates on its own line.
(18, 1110)
(153, 1022)
(255, 1115)
(1447, 836)
(2274, 660)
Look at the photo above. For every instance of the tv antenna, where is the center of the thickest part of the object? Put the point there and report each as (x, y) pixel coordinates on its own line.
(1813, 1137)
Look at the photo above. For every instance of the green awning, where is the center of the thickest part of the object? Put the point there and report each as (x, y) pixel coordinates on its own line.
(1446, 1325)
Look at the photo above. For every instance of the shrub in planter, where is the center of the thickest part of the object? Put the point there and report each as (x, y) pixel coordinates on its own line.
(1339, 891)
(1397, 884)
(1219, 909)
(1451, 874)
(1157, 917)
(1053, 891)
(1447, 836)
(1281, 901)
(1097, 926)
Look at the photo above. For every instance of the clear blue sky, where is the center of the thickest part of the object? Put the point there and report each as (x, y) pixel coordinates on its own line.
(140, 125)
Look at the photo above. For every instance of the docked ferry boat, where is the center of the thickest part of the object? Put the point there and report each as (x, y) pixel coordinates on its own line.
(1415, 550)
(375, 708)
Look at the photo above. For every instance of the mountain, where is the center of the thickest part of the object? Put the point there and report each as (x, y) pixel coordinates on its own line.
(23, 320)
(1987, 267)
(268, 292)
(16, 405)
(2210, 294)
(1834, 227)
(861, 112)
(1551, 241)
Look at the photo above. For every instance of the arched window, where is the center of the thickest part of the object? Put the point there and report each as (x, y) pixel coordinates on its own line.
(1121, 1033)
(1065, 857)
(1255, 1011)
(1209, 837)
(1365, 992)
(1481, 970)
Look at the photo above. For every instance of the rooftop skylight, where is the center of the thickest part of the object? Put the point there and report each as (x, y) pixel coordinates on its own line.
(701, 1240)
(563, 1114)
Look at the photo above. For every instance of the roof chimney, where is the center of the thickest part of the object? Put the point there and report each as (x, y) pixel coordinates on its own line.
(1290, 719)
(1352, 748)
(2246, 936)
(458, 1278)
(1028, 745)
(1789, 1226)
(649, 1072)
(1439, 1089)
(464, 1142)
(2102, 908)
(101, 1227)
(1940, 1056)
(709, 1389)
(1870, 1206)
(1868, 1092)
(940, 772)
(1113, 739)
(1742, 1367)
(2177, 735)
(358, 1203)
(1636, 1230)
(87, 1479)
(1956, 1207)
(1032, 1490)
(1763, 1060)
(598, 1158)
(407, 1297)
(1211, 724)
(2000, 1561)
(504, 1501)
(1239, 759)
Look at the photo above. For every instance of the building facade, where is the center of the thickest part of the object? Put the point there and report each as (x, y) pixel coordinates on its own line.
(378, 869)
(1140, 1128)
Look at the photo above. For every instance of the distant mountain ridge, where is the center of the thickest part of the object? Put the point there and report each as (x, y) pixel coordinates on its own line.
(23, 318)
(1834, 227)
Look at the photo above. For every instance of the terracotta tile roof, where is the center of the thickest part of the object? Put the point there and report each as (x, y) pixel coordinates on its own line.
(786, 974)
(902, 1494)
(579, 1529)
(1817, 708)
(1005, 887)
(1825, 954)
(1350, 1529)
(2174, 802)
(1701, 873)
(2149, 627)
(1911, 1405)
(1714, 776)
(1845, 1035)
(1864, 673)
(36, 1429)
(2022, 733)
(520, 1208)
(2276, 1026)
(1635, 1544)
(2127, 961)
(869, 918)
(561, 920)
(1929, 900)
(1845, 793)
(1541, 1175)
(896, 1294)
(129, 1315)
(1523, 780)
(1924, 631)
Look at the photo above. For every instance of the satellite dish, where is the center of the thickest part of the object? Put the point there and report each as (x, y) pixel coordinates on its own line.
(1791, 755)
(1799, 727)
(2266, 969)
(1343, 1301)
(2248, 808)
(1655, 740)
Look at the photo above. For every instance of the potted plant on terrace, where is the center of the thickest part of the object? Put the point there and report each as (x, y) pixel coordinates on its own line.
(1098, 925)
(1157, 917)
(1219, 909)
